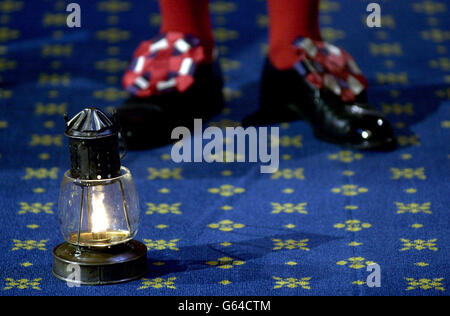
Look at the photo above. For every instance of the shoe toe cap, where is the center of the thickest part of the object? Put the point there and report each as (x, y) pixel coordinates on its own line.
(373, 132)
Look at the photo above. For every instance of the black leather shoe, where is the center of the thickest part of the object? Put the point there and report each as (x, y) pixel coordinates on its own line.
(148, 122)
(170, 85)
(287, 96)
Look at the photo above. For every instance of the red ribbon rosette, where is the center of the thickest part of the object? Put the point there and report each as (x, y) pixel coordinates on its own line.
(327, 66)
(164, 63)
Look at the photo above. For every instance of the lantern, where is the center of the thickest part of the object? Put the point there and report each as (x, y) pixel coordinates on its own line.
(98, 207)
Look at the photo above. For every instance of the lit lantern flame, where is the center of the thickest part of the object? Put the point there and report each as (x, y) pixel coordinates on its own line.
(99, 218)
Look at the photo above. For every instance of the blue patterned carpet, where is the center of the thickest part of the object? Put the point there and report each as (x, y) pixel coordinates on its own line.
(225, 229)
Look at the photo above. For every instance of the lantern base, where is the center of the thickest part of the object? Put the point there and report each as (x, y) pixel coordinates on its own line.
(98, 266)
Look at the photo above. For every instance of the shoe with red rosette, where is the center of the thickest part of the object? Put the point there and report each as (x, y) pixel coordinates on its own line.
(327, 88)
(169, 85)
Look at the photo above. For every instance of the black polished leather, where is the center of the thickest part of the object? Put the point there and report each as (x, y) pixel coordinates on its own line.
(148, 122)
(287, 96)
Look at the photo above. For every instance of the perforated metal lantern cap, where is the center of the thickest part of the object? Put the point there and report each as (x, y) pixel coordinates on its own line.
(94, 145)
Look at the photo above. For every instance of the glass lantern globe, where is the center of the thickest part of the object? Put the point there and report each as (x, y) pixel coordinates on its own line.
(98, 213)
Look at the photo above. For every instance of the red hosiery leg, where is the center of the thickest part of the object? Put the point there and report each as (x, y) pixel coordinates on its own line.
(290, 19)
(189, 17)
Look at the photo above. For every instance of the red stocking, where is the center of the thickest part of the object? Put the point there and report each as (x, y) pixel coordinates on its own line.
(189, 17)
(290, 19)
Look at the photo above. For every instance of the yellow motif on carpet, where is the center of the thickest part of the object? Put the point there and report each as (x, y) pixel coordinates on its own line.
(289, 208)
(35, 208)
(30, 244)
(226, 225)
(161, 244)
(158, 283)
(292, 283)
(419, 244)
(425, 284)
(290, 244)
(22, 284)
(225, 263)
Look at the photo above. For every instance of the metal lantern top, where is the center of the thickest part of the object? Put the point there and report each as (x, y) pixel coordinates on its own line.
(94, 145)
